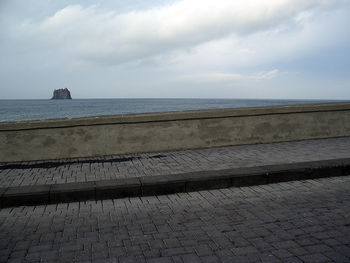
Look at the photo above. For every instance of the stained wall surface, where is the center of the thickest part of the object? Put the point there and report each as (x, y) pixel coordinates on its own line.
(108, 135)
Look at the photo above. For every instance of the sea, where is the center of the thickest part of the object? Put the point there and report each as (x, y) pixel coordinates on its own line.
(20, 110)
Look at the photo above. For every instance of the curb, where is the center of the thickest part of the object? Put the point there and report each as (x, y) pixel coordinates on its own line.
(169, 184)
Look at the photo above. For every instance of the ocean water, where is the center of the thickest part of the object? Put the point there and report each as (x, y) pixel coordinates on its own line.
(18, 110)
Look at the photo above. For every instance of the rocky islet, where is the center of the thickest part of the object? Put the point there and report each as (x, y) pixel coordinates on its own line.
(61, 94)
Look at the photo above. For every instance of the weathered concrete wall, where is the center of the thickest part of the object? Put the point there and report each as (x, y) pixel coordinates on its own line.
(98, 136)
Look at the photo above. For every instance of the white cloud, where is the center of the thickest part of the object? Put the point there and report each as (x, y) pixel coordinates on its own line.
(111, 38)
(211, 77)
(220, 77)
(319, 32)
(267, 75)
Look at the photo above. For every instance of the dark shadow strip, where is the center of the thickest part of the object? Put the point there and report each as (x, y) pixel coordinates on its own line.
(54, 164)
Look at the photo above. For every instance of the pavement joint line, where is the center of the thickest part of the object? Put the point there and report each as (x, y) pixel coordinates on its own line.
(169, 184)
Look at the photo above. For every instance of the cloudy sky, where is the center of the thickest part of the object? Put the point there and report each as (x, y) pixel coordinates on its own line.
(283, 49)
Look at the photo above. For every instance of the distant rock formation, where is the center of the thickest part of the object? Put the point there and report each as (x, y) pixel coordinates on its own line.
(61, 94)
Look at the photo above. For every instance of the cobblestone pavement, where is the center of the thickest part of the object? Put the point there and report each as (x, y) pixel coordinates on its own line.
(301, 221)
(148, 164)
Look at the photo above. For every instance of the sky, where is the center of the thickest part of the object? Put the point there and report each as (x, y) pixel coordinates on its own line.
(276, 49)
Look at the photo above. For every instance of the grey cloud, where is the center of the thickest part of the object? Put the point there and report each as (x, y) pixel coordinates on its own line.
(97, 37)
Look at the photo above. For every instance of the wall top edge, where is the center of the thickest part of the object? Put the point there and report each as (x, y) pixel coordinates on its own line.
(172, 116)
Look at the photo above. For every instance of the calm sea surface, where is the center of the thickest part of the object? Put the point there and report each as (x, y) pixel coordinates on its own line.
(17, 110)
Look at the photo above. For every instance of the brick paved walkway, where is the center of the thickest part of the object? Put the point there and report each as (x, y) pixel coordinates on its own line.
(150, 164)
(302, 221)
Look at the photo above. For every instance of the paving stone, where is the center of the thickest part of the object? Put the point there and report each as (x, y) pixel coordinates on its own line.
(175, 162)
(317, 248)
(269, 258)
(343, 249)
(191, 258)
(282, 253)
(292, 260)
(245, 251)
(298, 251)
(160, 260)
(314, 258)
(337, 257)
(209, 259)
(168, 252)
(205, 226)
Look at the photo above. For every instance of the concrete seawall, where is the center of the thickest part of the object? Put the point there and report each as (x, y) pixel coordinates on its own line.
(99, 136)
